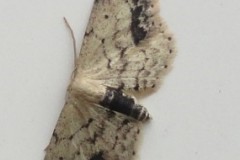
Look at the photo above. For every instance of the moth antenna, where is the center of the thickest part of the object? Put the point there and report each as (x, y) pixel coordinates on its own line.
(74, 41)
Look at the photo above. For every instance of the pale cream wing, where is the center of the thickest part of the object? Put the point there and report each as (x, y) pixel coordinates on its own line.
(89, 132)
(126, 44)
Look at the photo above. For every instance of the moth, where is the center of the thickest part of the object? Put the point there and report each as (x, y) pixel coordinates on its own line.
(125, 50)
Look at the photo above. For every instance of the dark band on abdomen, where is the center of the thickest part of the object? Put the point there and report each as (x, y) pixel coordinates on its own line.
(115, 100)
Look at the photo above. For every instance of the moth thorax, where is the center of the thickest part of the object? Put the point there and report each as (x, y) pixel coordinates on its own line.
(88, 89)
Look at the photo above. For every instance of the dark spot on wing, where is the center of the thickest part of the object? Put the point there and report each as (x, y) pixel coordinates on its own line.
(90, 120)
(115, 143)
(97, 156)
(60, 158)
(136, 87)
(88, 33)
(138, 131)
(123, 52)
(108, 65)
(56, 136)
(135, 2)
(106, 16)
(103, 40)
(71, 137)
(125, 122)
(138, 32)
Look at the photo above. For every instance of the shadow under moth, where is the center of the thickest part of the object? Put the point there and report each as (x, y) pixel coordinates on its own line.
(125, 50)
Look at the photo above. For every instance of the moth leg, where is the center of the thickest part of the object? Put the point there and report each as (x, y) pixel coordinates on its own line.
(116, 100)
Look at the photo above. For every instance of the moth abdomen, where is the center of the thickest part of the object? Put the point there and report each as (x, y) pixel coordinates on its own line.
(116, 100)
(140, 113)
